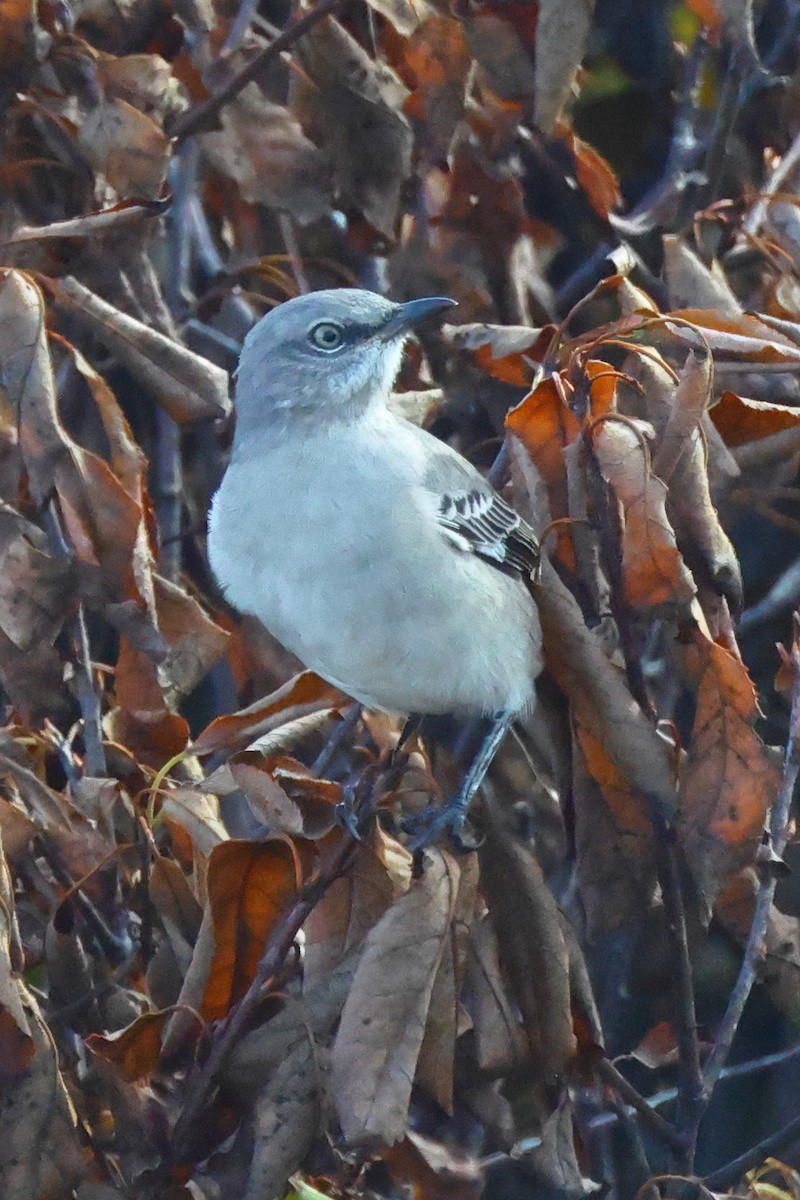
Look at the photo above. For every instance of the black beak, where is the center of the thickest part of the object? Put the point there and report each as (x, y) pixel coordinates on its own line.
(409, 315)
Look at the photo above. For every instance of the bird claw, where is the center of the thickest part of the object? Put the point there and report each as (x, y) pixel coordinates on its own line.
(428, 826)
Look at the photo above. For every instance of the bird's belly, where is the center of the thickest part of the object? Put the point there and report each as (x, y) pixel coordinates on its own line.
(401, 634)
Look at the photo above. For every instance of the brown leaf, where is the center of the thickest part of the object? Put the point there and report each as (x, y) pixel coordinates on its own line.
(728, 780)
(103, 521)
(267, 798)
(136, 1049)
(599, 697)
(263, 148)
(437, 57)
(306, 693)
(176, 905)
(154, 736)
(353, 110)
(287, 1120)
(562, 32)
(506, 352)
(350, 908)
(740, 420)
(740, 341)
(34, 1106)
(188, 386)
(500, 1043)
(503, 48)
(194, 641)
(79, 842)
(654, 572)
(681, 461)
(196, 812)
(383, 1020)
(35, 1111)
(532, 947)
(613, 839)
(250, 884)
(144, 80)
(127, 147)
(690, 401)
(37, 592)
(545, 425)
(437, 1053)
(690, 282)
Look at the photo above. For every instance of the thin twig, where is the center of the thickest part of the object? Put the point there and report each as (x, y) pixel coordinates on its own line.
(201, 116)
(342, 730)
(733, 1171)
(168, 466)
(228, 1032)
(86, 689)
(654, 1121)
(293, 250)
(753, 1066)
(88, 699)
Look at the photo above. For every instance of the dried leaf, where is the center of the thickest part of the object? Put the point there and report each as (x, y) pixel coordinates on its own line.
(383, 1020)
(562, 33)
(503, 49)
(263, 148)
(545, 425)
(136, 1049)
(728, 780)
(530, 939)
(741, 421)
(691, 283)
(347, 912)
(435, 1065)
(600, 699)
(127, 147)
(306, 693)
(250, 884)
(287, 1118)
(436, 55)
(741, 341)
(353, 111)
(615, 863)
(188, 386)
(654, 572)
(500, 1042)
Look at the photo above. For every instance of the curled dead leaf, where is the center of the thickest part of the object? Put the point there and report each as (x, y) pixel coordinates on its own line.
(383, 1021)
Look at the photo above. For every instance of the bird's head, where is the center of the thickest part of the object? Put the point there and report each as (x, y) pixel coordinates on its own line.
(324, 357)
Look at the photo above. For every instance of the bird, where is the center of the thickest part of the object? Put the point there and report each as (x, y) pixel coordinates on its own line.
(369, 548)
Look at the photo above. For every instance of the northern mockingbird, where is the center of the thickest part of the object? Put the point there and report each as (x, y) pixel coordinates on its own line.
(370, 549)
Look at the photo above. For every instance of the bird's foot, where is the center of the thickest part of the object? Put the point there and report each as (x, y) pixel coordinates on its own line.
(428, 826)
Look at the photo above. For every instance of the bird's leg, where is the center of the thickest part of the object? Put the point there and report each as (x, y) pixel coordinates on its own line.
(451, 818)
(347, 809)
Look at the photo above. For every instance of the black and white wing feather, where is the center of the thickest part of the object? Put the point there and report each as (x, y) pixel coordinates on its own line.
(480, 522)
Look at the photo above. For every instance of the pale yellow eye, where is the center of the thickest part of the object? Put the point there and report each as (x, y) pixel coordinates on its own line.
(326, 335)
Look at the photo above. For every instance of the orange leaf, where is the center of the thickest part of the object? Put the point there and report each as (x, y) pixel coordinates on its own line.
(729, 779)
(707, 11)
(740, 420)
(545, 425)
(250, 884)
(135, 1049)
(654, 571)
